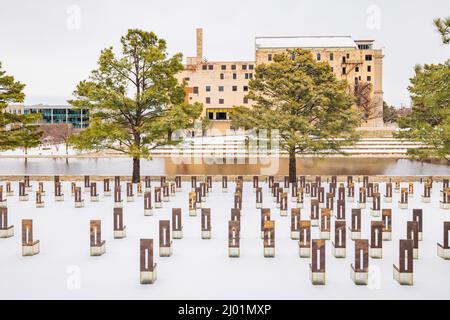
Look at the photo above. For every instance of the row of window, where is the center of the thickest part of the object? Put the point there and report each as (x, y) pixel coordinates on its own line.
(222, 101)
(368, 57)
(224, 67)
(219, 88)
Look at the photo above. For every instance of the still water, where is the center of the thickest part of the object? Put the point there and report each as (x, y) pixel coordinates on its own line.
(252, 166)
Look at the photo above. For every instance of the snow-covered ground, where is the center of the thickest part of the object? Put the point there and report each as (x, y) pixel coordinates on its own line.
(201, 269)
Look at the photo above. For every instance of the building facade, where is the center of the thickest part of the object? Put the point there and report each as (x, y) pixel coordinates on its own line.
(221, 85)
(56, 114)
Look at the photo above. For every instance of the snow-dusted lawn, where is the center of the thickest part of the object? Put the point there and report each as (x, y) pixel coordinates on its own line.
(201, 269)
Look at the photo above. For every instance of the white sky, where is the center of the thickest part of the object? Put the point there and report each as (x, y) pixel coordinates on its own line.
(49, 47)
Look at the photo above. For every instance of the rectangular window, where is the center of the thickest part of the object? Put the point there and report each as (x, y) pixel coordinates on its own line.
(244, 67)
(344, 70)
(208, 88)
(332, 69)
(246, 76)
(221, 101)
(221, 116)
(331, 56)
(222, 76)
(357, 69)
(210, 67)
(269, 57)
(234, 88)
(318, 57)
(187, 79)
(195, 90)
(234, 76)
(233, 67)
(250, 67)
(369, 68)
(204, 67)
(223, 67)
(221, 88)
(245, 100)
(211, 115)
(208, 100)
(348, 55)
(368, 57)
(245, 88)
(369, 78)
(250, 75)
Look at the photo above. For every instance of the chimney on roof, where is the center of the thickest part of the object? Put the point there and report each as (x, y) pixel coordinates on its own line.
(199, 45)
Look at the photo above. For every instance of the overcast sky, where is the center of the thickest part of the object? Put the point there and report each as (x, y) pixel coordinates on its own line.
(50, 45)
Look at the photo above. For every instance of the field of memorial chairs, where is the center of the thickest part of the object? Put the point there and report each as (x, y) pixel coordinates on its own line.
(196, 236)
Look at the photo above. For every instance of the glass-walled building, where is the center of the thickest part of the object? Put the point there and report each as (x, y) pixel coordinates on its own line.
(55, 114)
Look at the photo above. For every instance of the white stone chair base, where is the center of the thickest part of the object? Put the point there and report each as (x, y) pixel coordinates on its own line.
(79, 204)
(23, 198)
(322, 205)
(314, 222)
(300, 205)
(425, 199)
(40, 205)
(97, 250)
(203, 199)
(415, 253)
(118, 204)
(198, 205)
(304, 252)
(148, 212)
(87, 189)
(325, 235)
(178, 189)
(206, 234)
(224, 190)
(3, 204)
(387, 235)
(29, 189)
(59, 198)
(166, 199)
(148, 189)
(283, 213)
(139, 194)
(192, 212)
(443, 252)
(355, 235)
(269, 252)
(402, 205)
(7, 233)
(359, 278)
(420, 236)
(31, 250)
(148, 277)
(388, 199)
(130, 199)
(376, 253)
(351, 199)
(165, 251)
(209, 189)
(278, 205)
(396, 190)
(339, 252)
(158, 205)
(43, 193)
(94, 199)
(317, 278)
(403, 278)
(177, 234)
(444, 206)
(293, 199)
(361, 205)
(295, 235)
(120, 234)
(234, 252)
(10, 194)
(375, 213)
(258, 205)
(107, 193)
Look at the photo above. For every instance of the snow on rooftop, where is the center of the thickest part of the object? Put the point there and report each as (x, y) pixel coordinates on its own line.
(305, 42)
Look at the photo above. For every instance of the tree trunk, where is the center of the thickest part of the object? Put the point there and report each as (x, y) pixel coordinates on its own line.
(26, 153)
(67, 154)
(136, 169)
(292, 167)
